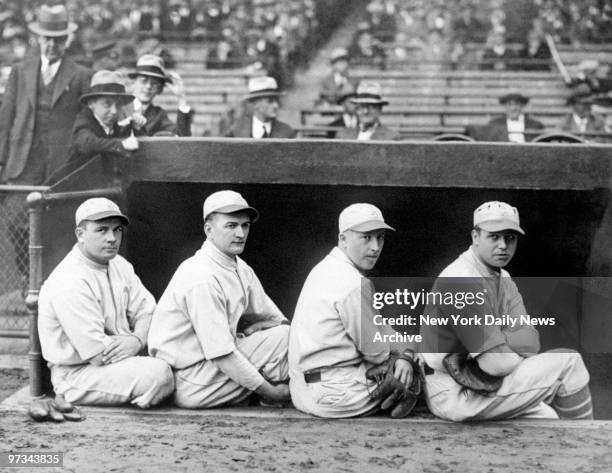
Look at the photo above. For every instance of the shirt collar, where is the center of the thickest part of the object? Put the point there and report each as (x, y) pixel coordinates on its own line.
(258, 125)
(210, 250)
(108, 131)
(138, 105)
(339, 254)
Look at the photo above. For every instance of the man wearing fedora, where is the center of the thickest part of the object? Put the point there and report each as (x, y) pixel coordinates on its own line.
(214, 324)
(96, 129)
(581, 120)
(150, 78)
(263, 98)
(514, 127)
(338, 83)
(369, 109)
(348, 118)
(40, 104)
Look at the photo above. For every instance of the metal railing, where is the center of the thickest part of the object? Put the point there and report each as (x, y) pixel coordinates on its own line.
(14, 259)
(36, 202)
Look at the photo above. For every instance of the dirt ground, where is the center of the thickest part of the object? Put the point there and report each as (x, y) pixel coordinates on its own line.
(128, 441)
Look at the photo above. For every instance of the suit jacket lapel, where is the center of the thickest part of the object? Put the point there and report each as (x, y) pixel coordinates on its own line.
(64, 75)
(32, 73)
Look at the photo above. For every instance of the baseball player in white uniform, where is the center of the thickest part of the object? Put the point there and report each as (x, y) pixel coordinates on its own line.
(93, 319)
(332, 331)
(550, 385)
(195, 327)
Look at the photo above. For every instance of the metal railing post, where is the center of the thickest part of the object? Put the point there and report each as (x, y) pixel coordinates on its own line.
(36, 367)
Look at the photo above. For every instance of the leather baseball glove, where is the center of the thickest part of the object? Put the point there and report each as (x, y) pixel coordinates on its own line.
(56, 410)
(466, 372)
(395, 395)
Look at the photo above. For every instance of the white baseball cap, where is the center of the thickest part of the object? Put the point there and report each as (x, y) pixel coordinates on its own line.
(98, 208)
(362, 218)
(227, 202)
(496, 216)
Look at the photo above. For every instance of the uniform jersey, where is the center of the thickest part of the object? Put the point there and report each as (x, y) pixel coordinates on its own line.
(333, 320)
(501, 298)
(197, 316)
(83, 303)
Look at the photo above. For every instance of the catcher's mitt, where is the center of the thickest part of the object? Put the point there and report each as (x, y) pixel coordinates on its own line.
(56, 410)
(394, 394)
(466, 372)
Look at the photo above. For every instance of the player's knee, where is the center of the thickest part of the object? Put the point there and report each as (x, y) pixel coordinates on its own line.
(157, 375)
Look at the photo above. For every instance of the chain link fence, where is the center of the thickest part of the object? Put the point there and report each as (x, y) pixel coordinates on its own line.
(14, 261)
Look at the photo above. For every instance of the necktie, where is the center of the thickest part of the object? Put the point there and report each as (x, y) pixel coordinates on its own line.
(47, 74)
(265, 132)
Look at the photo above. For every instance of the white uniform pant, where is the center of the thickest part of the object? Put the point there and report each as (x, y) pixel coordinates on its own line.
(342, 392)
(141, 380)
(526, 392)
(203, 385)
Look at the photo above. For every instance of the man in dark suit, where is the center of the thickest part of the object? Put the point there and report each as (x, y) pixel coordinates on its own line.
(40, 104)
(515, 126)
(581, 120)
(148, 119)
(369, 108)
(96, 128)
(263, 100)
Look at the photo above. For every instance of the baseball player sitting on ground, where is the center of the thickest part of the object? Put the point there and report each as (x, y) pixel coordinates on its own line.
(333, 360)
(491, 371)
(94, 315)
(195, 327)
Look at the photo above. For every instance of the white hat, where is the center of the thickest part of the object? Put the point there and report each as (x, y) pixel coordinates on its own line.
(98, 208)
(227, 202)
(362, 218)
(369, 93)
(339, 54)
(496, 216)
(52, 21)
(262, 86)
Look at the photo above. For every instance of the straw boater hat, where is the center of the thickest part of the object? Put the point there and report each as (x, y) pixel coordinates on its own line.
(514, 97)
(106, 84)
(150, 65)
(263, 86)
(339, 54)
(369, 93)
(52, 21)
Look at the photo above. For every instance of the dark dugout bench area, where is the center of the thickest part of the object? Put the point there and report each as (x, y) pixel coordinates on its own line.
(426, 190)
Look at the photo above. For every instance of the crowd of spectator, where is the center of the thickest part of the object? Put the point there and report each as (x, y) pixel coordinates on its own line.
(261, 34)
(500, 34)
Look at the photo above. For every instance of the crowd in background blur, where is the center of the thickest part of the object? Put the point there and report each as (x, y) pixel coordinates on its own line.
(270, 35)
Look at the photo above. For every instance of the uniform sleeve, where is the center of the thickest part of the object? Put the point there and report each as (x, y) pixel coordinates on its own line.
(205, 304)
(476, 339)
(240, 369)
(357, 316)
(261, 307)
(81, 318)
(141, 306)
(524, 339)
